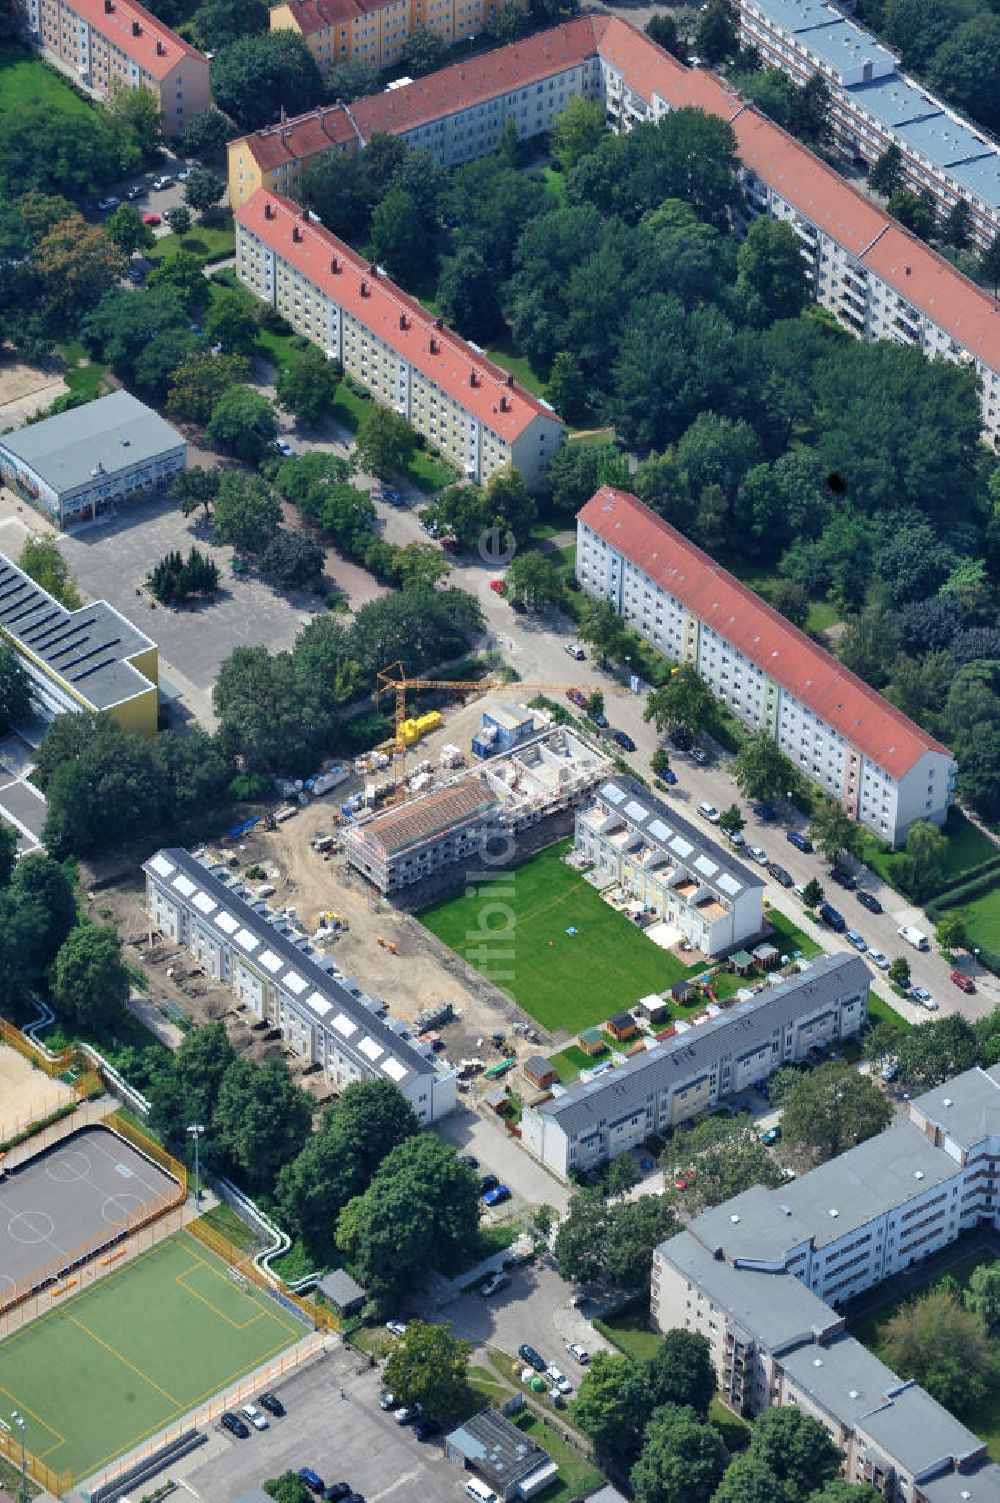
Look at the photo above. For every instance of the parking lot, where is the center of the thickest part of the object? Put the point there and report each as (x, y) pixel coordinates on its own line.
(343, 1439)
(112, 557)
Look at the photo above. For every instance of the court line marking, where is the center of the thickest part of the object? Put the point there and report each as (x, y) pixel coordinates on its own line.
(36, 1417)
(114, 1353)
(257, 1297)
(203, 1299)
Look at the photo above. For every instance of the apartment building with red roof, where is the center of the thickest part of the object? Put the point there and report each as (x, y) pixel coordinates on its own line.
(880, 281)
(882, 767)
(108, 42)
(376, 31)
(466, 407)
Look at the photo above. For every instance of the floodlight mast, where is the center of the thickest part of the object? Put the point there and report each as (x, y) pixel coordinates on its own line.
(196, 1130)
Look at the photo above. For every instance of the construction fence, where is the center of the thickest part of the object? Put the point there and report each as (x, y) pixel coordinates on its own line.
(53, 1064)
(318, 1316)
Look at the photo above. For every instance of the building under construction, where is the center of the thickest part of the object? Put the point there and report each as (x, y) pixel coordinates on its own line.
(432, 837)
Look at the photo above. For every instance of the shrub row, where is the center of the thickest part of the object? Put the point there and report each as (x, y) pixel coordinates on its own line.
(66, 1110)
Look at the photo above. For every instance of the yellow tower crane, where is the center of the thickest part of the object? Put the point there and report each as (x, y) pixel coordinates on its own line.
(395, 679)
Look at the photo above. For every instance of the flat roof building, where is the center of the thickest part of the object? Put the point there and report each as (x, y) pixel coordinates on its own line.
(614, 1109)
(763, 1275)
(82, 462)
(322, 1014)
(90, 659)
(504, 1457)
(860, 749)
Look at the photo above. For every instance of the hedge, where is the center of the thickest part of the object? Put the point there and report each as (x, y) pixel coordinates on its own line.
(66, 1110)
(964, 891)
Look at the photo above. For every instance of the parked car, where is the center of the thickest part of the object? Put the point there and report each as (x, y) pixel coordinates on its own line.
(963, 982)
(878, 959)
(699, 755)
(425, 1429)
(469, 1159)
(843, 879)
(135, 275)
(757, 853)
(337, 1492)
(735, 838)
(709, 812)
(111, 202)
(397, 1327)
(498, 586)
(576, 697)
(624, 740)
(854, 938)
(578, 1352)
(799, 841)
(283, 447)
(518, 607)
(779, 873)
(495, 1283)
(151, 219)
(488, 1182)
(312, 1480)
(386, 1401)
(600, 719)
(496, 1196)
(869, 901)
(272, 1404)
(408, 1414)
(575, 651)
(682, 739)
(136, 191)
(922, 995)
(832, 917)
(393, 497)
(890, 1071)
(162, 182)
(558, 1378)
(184, 174)
(670, 777)
(763, 810)
(771, 1136)
(534, 1359)
(253, 1414)
(234, 1424)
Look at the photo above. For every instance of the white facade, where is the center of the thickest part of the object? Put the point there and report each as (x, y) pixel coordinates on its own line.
(886, 803)
(322, 1015)
(690, 1072)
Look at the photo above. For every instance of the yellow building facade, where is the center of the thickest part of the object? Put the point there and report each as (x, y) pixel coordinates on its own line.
(375, 31)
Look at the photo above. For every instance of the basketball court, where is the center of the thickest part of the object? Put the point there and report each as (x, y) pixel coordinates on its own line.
(70, 1200)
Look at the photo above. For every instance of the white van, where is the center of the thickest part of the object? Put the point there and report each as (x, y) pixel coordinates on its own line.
(915, 937)
(480, 1492)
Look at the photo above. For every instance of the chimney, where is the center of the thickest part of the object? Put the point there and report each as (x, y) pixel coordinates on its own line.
(269, 211)
(434, 345)
(364, 288)
(160, 49)
(473, 378)
(907, 270)
(373, 268)
(296, 232)
(404, 322)
(305, 215)
(510, 379)
(136, 29)
(438, 324)
(504, 405)
(108, 7)
(334, 264)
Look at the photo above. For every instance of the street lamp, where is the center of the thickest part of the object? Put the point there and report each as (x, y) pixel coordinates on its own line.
(195, 1131)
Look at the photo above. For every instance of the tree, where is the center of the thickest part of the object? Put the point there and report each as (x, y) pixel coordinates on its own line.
(682, 1459)
(291, 558)
(90, 982)
(430, 1367)
(509, 508)
(424, 51)
(989, 263)
(243, 421)
(15, 688)
(256, 77)
(246, 514)
(601, 627)
(796, 1448)
(195, 487)
(936, 1051)
(982, 1296)
(469, 297)
(232, 322)
(718, 451)
(913, 211)
(717, 36)
(927, 848)
(206, 133)
(572, 476)
(288, 1488)
(41, 559)
(899, 971)
(101, 784)
(791, 601)
(135, 118)
(634, 1228)
(832, 1109)
(612, 1407)
(421, 1210)
(42, 894)
(385, 442)
(77, 264)
(175, 579)
(966, 68)
(748, 1480)
(179, 219)
(834, 832)
(684, 703)
(886, 174)
(979, 769)
(184, 274)
(813, 893)
(729, 1166)
(8, 853)
(761, 770)
(576, 131)
(198, 384)
(839, 1491)
(622, 1175)
(731, 821)
(307, 385)
(566, 389)
(771, 280)
(882, 1041)
(680, 1372)
(957, 228)
(125, 229)
(662, 30)
(943, 1346)
(399, 239)
(951, 933)
(261, 1120)
(535, 579)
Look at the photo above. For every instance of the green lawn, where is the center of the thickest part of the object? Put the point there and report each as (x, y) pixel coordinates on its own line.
(504, 354)
(134, 1352)
(982, 919)
(791, 935)
(514, 931)
(881, 1012)
(25, 79)
(577, 1475)
(349, 407)
(226, 1222)
(570, 1061)
(967, 847)
(203, 240)
(630, 1330)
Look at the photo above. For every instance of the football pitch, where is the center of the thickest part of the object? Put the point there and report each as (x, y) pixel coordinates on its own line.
(514, 930)
(136, 1351)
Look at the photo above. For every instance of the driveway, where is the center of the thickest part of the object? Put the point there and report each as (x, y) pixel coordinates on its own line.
(536, 1307)
(503, 1156)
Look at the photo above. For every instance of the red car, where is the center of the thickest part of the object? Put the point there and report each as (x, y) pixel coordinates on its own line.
(498, 586)
(576, 697)
(151, 219)
(963, 982)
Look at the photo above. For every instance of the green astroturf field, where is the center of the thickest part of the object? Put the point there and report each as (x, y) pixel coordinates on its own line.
(119, 1361)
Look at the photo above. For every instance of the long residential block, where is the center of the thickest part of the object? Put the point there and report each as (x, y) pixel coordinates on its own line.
(324, 1016)
(764, 1276)
(690, 1072)
(874, 105)
(109, 42)
(880, 281)
(376, 31)
(468, 409)
(861, 750)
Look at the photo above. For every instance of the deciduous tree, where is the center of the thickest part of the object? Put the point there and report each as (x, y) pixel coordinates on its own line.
(260, 1121)
(682, 1459)
(255, 77)
(385, 442)
(243, 421)
(886, 174)
(684, 703)
(796, 1448)
(762, 771)
(90, 983)
(200, 381)
(832, 1109)
(125, 229)
(246, 512)
(307, 385)
(535, 579)
(613, 1406)
(943, 1346)
(982, 1296)
(576, 131)
(834, 832)
(15, 688)
(42, 560)
(771, 281)
(430, 1367)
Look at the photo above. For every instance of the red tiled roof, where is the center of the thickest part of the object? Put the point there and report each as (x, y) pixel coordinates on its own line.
(787, 655)
(506, 410)
(301, 137)
(932, 284)
(314, 15)
(116, 25)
